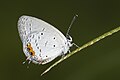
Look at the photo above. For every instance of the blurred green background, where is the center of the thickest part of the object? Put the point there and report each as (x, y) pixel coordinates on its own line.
(98, 62)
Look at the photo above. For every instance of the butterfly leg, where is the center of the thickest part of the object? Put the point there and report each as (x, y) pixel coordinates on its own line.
(75, 45)
(25, 60)
(63, 55)
(69, 51)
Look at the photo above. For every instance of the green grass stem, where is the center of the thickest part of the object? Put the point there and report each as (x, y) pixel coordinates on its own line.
(82, 47)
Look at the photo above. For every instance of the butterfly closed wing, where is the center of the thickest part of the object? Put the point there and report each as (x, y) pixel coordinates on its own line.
(42, 42)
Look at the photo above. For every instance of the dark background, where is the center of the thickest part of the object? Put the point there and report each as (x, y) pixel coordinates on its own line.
(98, 62)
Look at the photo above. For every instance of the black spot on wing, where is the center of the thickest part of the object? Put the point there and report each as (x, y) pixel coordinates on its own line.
(36, 44)
(37, 47)
(54, 45)
(40, 50)
(30, 29)
(43, 29)
(25, 32)
(26, 19)
(27, 40)
(41, 33)
(54, 38)
(38, 37)
(30, 24)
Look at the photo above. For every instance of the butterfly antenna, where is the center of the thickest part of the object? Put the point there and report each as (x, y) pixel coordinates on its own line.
(71, 24)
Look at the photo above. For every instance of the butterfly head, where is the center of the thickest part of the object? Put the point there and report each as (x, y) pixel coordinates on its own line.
(69, 40)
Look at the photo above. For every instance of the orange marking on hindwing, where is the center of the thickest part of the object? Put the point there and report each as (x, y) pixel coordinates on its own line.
(30, 49)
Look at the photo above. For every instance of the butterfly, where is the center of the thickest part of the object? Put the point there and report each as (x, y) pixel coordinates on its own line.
(42, 42)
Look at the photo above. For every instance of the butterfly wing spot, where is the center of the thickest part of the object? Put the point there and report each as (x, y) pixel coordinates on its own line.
(40, 55)
(37, 47)
(41, 33)
(30, 49)
(36, 44)
(54, 38)
(43, 29)
(40, 50)
(30, 24)
(23, 22)
(30, 36)
(28, 40)
(30, 28)
(26, 19)
(31, 53)
(53, 45)
(38, 37)
(25, 32)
